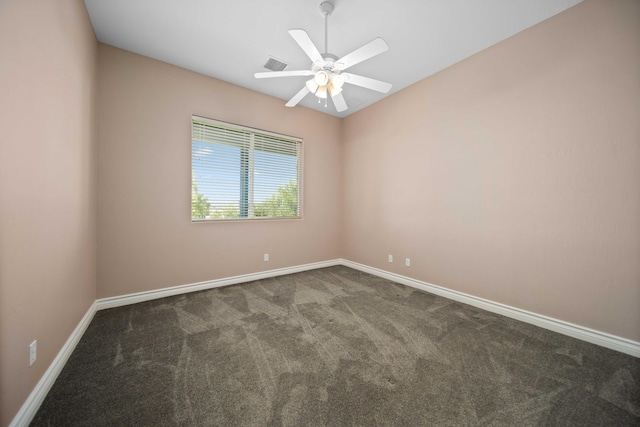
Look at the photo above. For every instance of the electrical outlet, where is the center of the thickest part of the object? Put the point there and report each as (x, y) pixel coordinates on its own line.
(407, 262)
(33, 352)
(266, 257)
(390, 258)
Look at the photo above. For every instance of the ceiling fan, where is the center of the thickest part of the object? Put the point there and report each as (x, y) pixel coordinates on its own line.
(328, 70)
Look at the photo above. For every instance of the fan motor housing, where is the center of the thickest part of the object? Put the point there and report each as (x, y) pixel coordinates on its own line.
(327, 64)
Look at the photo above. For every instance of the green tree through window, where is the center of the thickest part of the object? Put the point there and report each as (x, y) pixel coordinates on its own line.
(283, 203)
(200, 206)
(227, 211)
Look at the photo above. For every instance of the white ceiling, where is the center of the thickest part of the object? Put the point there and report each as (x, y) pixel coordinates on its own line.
(231, 39)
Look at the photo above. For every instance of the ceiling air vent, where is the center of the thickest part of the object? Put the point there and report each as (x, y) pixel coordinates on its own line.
(274, 65)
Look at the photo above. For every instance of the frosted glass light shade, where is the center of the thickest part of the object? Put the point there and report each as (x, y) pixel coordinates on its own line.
(322, 92)
(312, 86)
(337, 80)
(321, 78)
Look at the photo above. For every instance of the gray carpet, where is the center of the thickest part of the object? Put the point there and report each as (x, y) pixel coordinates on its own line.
(333, 347)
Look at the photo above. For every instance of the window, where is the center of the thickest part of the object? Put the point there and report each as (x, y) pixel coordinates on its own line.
(243, 173)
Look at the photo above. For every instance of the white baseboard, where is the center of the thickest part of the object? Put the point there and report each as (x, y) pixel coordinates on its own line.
(119, 301)
(582, 333)
(35, 399)
(33, 402)
(613, 342)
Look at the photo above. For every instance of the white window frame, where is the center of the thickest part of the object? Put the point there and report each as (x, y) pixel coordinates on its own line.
(250, 202)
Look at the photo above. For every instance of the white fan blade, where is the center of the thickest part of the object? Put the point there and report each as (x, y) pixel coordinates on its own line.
(339, 102)
(369, 50)
(302, 38)
(298, 97)
(269, 74)
(366, 82)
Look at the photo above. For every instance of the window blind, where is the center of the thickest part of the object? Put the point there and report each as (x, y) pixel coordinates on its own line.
(243, 173)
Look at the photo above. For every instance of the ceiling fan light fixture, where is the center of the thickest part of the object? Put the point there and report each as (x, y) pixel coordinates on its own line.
(327, 69)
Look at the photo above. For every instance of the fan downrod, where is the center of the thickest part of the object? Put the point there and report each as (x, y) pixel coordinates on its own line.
(326, 8)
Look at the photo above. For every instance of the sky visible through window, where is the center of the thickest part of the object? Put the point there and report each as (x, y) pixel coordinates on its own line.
(222, 185)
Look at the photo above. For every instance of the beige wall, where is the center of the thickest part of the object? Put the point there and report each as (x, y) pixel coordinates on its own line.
(515, 174)
(147, 240)
(47, 185)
